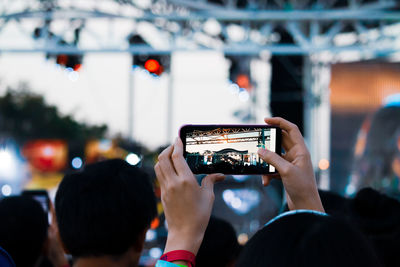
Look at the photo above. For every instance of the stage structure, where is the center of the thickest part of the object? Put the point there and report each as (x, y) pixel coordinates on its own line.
(323, 31)
(227, 135)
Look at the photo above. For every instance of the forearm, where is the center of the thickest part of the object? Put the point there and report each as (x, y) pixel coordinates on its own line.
(312, 201)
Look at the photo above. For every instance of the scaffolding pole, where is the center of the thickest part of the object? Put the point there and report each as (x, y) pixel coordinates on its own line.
(317, 116)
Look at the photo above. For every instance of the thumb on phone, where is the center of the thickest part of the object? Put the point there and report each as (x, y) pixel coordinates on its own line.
(275, 160)
(209, 181)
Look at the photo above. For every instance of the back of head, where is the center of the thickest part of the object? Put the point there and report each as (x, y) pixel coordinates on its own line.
(23, 229)
(378, 217)
(104, 209)
(307, 240)
(333, 203)
(220, 246)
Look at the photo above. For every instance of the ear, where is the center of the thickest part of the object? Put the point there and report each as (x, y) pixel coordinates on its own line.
(139, 244)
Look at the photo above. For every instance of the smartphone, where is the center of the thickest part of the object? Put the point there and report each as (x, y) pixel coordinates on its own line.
(229, 149)
(41, 196)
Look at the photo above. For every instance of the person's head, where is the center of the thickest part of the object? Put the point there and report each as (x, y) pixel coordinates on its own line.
(105, 210)
(220, 246)
(377, 163)
(23, 229)
(334, 204)
(378, 217)
(307, 239)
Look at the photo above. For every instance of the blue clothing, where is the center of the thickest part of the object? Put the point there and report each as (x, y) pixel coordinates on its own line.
(161, 263)
(5, 259)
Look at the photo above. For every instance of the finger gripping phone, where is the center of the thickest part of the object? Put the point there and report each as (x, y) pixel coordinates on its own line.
(229, 149)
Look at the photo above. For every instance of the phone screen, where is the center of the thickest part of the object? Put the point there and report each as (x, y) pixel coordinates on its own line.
(229, 149)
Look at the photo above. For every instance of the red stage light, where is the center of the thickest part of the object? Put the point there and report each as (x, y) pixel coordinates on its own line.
(46, 155)
(243, 81)
(62, 59)
(77, 67)
(152, 66)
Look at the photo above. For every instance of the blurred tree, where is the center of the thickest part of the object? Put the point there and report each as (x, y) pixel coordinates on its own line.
(25, 115)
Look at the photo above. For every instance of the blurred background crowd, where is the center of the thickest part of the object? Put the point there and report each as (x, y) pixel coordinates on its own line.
(84, 81)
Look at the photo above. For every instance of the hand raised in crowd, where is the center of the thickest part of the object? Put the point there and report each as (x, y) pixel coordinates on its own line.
(294, 167)
(53, 248)
(187, 205)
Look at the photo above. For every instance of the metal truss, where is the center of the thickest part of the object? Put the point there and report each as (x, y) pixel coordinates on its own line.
(224, 141)
(226, 135)
(222, 131)
(187, 25)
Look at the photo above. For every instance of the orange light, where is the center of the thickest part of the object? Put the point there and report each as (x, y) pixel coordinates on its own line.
(243, 81)
(155, 223)
(152, 65)
(323, 164)
(243, 238)
(77, 67)
(62, 59)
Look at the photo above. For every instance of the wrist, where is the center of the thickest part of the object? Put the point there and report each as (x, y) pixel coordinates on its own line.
(179, 240)
(182, 258)
(309, 203)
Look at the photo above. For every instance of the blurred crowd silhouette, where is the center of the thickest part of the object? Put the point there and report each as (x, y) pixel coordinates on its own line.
(102, 212)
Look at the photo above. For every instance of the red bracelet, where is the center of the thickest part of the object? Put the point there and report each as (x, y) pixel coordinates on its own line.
(180, 255)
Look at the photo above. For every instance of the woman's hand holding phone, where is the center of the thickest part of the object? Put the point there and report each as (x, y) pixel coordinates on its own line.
(294, 167)
(187, 206)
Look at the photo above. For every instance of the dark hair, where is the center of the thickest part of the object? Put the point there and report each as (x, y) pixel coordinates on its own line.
(306, 239)
(220, 246)
(23, 229)
(378, 217)
(374, 167)
(103, 209)
(333, 203)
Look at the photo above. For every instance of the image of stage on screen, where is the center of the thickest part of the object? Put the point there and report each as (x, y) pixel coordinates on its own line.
(229, 150)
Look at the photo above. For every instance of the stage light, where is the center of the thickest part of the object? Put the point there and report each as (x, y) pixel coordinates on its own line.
(48, 151)
(155, 253)
(212, 27)
(350, 189)
(243, 81)
(151, 235)
(152, 66)
(392, 100)
(46, 155)
(323, 164)
(132, 159)
(239, 71)
(72, 62)
(6, 190)
(241, 200)
(76, 163)
(8, 164)
(243, 238)
(236, 203)
(155, 64)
